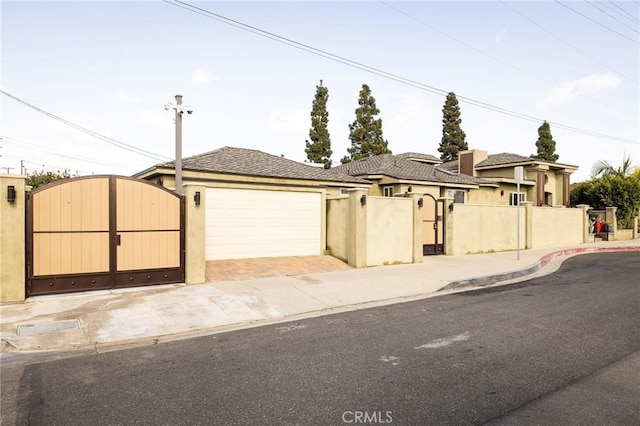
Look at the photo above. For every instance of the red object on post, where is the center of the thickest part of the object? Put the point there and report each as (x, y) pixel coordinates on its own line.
(599, 226)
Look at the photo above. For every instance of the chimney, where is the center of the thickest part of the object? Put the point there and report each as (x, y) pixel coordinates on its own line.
(467, 161)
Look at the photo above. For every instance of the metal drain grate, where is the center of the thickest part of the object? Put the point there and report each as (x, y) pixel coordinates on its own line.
(48, 327)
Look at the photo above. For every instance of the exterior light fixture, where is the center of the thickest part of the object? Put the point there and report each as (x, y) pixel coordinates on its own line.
(363, 200)
(451, 207)
(196, 198)
(11, 194)
(420, 202)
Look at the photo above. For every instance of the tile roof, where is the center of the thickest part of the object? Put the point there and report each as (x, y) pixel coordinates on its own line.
(503, 158)
(451, 166)
(251, 162)
(418, 156)
(507, 158)
(402, 168)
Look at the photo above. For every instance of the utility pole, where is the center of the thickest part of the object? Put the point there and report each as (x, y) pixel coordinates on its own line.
(178, 145)
(179, 109)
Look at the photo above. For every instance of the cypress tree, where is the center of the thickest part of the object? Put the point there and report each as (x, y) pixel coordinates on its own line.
(366, 131)
(453, 138)
(318, 146)
(545, 144)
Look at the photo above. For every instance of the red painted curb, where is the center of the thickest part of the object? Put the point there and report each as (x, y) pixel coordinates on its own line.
(547, 258)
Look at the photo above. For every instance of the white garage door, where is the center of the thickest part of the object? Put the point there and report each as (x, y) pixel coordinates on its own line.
(246, 223)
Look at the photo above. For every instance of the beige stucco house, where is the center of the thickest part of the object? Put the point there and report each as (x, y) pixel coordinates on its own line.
(257, 204)
(403, 174)
(476, 178)
(261, 205)
(545, 183)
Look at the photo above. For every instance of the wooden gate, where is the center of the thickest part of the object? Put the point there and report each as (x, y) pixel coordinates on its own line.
(432, 226)
(103, 232)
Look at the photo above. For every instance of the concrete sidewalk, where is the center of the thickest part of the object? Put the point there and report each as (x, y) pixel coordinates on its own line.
(112, 319)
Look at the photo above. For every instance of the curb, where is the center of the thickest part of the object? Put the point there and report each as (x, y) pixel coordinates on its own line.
(543, 262)
(97, 347)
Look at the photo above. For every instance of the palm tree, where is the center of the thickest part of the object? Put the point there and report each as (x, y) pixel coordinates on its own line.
(604, 167)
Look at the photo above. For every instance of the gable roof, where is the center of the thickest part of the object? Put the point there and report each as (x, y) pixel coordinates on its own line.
(502, 159)
(402, 168)
(251, 162)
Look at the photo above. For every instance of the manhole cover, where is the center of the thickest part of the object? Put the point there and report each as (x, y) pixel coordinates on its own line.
(47, 327)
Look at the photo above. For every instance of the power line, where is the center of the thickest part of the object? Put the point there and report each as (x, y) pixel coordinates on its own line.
(482, 52)
(613, 17)
(53, 152)
(596, 22)
(461, 42)
(51, 168)
(379, 72)
(97, 135)
(625, 13)
(567, 43)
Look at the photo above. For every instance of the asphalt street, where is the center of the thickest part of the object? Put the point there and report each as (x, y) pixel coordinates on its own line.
(559, 349)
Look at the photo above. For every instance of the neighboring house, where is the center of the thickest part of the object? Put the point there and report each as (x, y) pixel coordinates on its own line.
(545, 183)
(476, 178)
(257, 204)
(398, 175)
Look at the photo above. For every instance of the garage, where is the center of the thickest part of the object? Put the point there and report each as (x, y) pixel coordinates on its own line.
(251, 223)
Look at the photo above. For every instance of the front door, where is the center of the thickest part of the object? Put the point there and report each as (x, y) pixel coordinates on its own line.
(432, 226)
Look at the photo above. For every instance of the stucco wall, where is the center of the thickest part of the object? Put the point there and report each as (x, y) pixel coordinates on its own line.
(623, 235)
(12, 241)
(338, 228)
(556, 226)
(484, 195)
(195, 264)
(498, 196)
(389, 230)
(483, 229)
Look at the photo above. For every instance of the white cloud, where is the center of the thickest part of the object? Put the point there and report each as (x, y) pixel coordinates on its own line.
(203, 78)
(126, 97)
(565, 92)
(160, 120)
(294, 122)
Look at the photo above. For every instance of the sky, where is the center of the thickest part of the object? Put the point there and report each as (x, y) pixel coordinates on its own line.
(249, 70)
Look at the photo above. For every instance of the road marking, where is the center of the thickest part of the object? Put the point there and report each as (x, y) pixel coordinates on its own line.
(292, 327)
(394, 360)
(439, 343)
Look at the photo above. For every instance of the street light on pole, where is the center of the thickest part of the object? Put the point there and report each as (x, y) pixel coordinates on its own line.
(179, 109)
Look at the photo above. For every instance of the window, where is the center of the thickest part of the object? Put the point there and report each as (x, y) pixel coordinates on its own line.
(458, 196)
(388, 191)
(513, 198)
(548, 196)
